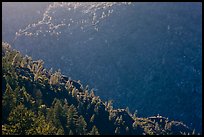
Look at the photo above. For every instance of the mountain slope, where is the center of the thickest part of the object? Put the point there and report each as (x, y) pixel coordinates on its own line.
(38, 101)
(145, 52)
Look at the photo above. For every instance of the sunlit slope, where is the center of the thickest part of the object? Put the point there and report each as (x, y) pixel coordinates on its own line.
(146, 56)
(38, 101)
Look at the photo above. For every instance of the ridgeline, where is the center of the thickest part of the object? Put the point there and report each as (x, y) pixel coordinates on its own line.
(36, 101)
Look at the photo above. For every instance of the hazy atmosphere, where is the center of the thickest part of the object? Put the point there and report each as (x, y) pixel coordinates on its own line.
(141, 55)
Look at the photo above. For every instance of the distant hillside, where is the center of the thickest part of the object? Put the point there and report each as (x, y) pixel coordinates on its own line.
(147, 56)
(38, 101)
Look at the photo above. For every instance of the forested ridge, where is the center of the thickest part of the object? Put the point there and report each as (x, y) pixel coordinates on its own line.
(37, 101)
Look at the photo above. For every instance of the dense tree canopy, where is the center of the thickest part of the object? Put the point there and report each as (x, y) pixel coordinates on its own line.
(40, 102)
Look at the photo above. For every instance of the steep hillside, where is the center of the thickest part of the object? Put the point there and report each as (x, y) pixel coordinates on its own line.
(150, 53)
(39, 101)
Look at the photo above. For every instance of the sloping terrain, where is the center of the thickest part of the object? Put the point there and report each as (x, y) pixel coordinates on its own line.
(146, 56)
(39, 101)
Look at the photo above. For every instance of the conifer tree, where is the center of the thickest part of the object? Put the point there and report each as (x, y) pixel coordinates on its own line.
(92, 118)
(42, 126)
(81, 126)
(72, 117)
(94, 131)
(8, 101)
(21, 120)
(117, 130)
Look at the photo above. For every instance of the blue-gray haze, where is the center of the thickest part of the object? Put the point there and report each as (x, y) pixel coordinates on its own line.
(146, 56)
